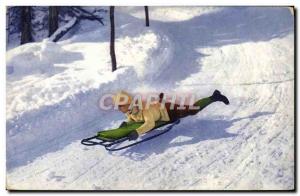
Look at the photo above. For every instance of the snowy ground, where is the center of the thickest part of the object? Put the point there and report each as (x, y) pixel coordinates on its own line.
(248, 53)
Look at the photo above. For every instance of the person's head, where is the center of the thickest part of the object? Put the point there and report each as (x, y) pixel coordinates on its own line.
(123, 108)
(123, 101)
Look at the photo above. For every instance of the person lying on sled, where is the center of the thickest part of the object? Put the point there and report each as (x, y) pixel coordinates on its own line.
(155, 112)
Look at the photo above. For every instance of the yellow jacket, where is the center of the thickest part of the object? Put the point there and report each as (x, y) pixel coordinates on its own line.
(148, 116)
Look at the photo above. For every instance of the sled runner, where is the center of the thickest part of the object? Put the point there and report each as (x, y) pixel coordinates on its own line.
(110, 139)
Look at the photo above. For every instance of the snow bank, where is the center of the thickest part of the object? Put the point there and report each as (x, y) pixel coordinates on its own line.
(36, 58)
(55, 71)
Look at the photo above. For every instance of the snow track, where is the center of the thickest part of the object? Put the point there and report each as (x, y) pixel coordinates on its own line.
(247, 53)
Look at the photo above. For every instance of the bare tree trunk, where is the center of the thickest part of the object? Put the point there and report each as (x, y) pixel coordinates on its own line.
(112, 38)
(26, 35)
(147, 16)
(53, 19)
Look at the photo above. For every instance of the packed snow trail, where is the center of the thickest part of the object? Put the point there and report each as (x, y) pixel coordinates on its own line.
(246, 145)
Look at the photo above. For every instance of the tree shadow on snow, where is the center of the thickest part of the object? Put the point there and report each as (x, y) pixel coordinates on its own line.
(194, 131)
(50, 128)
(231, 25)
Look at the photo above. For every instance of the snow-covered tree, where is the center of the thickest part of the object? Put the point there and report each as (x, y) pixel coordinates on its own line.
(13, 22)
(75, 15)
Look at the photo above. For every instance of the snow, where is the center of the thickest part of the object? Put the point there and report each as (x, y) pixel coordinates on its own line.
(73, 68)
(64, 28)
(171, 14)
(53, 90)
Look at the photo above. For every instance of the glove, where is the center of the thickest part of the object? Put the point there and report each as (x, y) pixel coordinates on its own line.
(123, 124)
(133, 135)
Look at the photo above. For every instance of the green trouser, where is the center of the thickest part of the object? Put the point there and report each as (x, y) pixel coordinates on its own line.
(202, 103)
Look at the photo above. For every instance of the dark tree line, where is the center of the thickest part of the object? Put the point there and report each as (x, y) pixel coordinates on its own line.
(31, 20)
(22, 19)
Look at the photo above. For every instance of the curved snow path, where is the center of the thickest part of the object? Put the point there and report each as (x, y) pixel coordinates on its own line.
(247, 145)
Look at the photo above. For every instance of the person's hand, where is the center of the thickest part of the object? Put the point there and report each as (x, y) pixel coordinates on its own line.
(133, 135)
(123, 124)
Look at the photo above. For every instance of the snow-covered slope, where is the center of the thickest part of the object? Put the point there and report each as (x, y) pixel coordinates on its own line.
(53, 92)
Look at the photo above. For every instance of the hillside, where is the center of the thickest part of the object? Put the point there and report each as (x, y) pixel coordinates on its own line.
(247, 53)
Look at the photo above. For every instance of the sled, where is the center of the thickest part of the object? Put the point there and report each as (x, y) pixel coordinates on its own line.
(110, 139)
